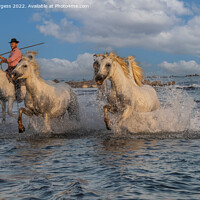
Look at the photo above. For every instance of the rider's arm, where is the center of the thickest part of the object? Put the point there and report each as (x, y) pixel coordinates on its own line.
(4, 60)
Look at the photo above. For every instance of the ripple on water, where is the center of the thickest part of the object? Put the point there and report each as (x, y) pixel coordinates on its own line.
(100, 168)
(92, 163)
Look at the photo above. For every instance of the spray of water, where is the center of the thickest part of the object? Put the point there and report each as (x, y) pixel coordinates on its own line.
(90, 118)
(177, 113)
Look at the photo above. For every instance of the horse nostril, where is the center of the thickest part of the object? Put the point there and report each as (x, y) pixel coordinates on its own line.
(98, 78)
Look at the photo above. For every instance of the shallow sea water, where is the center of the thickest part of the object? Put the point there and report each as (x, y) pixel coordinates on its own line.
(89, 162)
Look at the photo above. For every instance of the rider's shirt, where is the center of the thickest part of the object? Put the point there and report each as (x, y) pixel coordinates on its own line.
(14, 57)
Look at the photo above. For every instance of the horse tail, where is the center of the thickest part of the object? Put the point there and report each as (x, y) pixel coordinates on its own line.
(136, 71)
(73, 108)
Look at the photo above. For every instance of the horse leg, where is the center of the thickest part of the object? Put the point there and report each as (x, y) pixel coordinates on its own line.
(73, 113)
(10, 107)
(124, 116)
(3, 104)
(47, 124)
(73, 108)
(106, 108)
(26, 111)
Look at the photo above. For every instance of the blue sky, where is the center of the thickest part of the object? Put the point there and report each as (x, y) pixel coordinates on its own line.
(163, 35)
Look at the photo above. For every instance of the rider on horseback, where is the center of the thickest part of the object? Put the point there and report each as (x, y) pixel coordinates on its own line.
(13, 59)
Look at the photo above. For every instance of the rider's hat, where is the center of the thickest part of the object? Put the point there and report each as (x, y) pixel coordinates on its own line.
(14, 40)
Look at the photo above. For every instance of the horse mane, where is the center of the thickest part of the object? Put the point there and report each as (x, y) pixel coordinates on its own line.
(121, 62)
(136, 70)
(32, 52)
(30, 56)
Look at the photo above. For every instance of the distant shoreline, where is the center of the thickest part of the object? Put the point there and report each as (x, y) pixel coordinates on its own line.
(92, 84)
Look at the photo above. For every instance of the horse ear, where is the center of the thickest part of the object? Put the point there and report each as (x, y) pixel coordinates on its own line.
(30, 57)
(31, 54)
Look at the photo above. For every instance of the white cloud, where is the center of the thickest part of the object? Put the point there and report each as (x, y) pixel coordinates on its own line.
(182, 67)
(37, 17)
(64, 69)
(64, 31)
(152, 24)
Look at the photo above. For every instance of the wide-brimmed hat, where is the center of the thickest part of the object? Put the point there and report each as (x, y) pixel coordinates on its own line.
(14, 40)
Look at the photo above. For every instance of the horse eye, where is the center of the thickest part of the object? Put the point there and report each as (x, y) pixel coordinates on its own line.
(96, 65)
(108, 65)
(25, 66)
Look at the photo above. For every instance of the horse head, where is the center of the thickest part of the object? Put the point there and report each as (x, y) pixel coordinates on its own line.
(26, 67)
(103, 68)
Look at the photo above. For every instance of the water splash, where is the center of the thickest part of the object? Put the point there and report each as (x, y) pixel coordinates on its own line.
(177, 113)
(90, 117)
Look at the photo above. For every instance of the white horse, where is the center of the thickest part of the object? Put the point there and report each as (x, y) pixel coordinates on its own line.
(127, 94)
(7, 94)
(49, 100)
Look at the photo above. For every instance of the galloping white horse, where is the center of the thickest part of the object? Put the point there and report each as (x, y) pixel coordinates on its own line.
(49, 100)
(127, 94)
(7, 93)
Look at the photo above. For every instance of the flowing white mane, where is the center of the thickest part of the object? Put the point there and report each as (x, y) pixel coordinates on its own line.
(30, 57)
(136, 70)
(124, 97)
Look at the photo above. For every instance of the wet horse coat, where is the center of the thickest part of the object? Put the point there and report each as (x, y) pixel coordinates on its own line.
(127, 94)
(7, 94)
(46, 99)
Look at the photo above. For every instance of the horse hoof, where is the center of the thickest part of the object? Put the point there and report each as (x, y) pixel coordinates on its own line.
(108, 128)
(47, 131)
(107, 125)
(21, 129)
